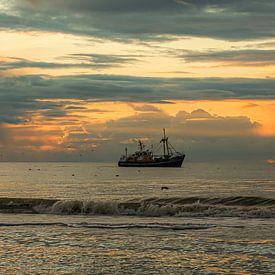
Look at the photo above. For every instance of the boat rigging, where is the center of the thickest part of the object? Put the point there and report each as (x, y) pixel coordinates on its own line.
(146, 157)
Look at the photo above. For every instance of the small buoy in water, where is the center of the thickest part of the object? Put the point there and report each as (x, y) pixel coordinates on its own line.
(117, 175)
(30, 169)
(164, 188)
(138, 170)
(72, 175)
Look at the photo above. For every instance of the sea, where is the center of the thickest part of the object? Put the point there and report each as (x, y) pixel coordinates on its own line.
(97, 218)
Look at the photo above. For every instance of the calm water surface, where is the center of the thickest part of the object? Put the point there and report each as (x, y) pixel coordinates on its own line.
(107, 181)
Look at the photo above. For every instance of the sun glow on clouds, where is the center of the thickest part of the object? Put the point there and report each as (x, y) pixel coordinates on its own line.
(76, 110)
(151, 59)
(87, 126)
(261, 111)
(137, 75)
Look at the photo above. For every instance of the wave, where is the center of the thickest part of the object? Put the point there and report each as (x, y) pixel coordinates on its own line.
(250, 207)
(163, 226)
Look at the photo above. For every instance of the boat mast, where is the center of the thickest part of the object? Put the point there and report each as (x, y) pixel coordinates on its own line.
(165, 143)
(140, 145)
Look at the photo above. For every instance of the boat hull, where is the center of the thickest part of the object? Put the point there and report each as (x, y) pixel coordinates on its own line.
(171, 162)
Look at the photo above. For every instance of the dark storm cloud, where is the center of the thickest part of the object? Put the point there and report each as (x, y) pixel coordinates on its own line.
(237, 57)
(20, 96)
(96, 61)
(142, 19)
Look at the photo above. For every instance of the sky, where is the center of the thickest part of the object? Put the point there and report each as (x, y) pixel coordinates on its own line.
(82, 80)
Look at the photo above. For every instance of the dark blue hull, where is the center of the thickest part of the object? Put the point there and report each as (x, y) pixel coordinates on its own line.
(169, 162)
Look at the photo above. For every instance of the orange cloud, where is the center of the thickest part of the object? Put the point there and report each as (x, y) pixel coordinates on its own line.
(86, 127)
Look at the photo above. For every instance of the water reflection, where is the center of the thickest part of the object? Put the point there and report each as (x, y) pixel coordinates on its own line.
(71, 251)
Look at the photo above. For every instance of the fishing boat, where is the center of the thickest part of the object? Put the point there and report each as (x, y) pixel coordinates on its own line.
(147, 158)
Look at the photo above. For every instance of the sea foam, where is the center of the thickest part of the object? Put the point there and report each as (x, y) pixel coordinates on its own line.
(250, 207)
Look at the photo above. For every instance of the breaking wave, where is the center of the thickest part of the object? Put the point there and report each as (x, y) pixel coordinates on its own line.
(250, 207)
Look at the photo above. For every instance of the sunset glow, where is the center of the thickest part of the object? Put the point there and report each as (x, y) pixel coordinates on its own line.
(80, 84)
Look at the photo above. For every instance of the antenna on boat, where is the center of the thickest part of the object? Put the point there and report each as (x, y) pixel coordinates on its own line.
(126, 151)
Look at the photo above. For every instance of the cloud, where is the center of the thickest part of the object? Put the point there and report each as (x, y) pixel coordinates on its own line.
(200, 114)
(28, 100)
(61, 102)
(106, 59)
(202, 135)
(134, 6)
(97, 61)
(21, 96)
(198, 123)
(75, 108)
(233, 57)
(142, 19)
(145, 108)
(120, 6)
(251, 105)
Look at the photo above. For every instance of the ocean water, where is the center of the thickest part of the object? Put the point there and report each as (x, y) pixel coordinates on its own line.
(94, 218)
